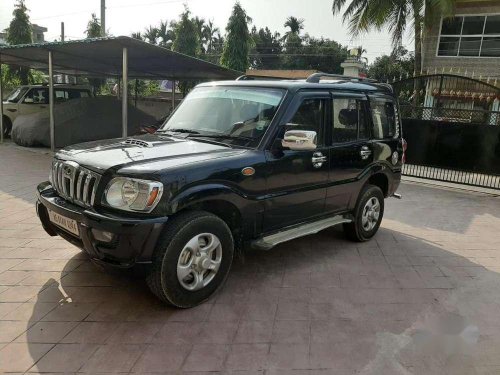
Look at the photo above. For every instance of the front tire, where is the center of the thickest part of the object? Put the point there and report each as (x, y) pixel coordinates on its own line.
(7, 127)
(192, 259)
(367, 215)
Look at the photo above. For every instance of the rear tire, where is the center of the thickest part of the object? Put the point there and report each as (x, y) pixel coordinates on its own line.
(192, 259)
(7, 127)
(368, 214)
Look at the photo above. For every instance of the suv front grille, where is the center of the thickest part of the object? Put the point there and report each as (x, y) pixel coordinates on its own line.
(75, 183)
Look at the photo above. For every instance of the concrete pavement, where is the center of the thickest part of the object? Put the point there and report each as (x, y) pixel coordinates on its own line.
(421, 298)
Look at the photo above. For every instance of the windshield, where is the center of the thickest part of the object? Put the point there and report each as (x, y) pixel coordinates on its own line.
(16, 94)
(234, 115)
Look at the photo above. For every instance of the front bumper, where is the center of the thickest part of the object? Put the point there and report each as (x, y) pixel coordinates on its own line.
(133, 241)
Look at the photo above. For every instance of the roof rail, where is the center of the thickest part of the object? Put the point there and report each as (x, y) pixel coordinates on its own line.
(387, 85)
(316, 77)
(250, 77)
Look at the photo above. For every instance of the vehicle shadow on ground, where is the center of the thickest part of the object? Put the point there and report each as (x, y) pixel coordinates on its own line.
(394, 305)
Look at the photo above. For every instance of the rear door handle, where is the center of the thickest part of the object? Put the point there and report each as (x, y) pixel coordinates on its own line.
(365, 152)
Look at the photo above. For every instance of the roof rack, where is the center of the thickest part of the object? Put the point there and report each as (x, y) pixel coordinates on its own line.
(316, 77)
(250, 77)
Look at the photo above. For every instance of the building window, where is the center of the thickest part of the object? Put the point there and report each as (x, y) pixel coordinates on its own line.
(472, 36)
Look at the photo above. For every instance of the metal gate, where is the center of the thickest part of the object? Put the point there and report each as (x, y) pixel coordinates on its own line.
(452, 126)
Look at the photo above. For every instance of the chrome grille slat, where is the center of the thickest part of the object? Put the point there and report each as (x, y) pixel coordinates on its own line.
(86, 189)
(75, 183)
(79, 186)
(59, 176)
(94, 191)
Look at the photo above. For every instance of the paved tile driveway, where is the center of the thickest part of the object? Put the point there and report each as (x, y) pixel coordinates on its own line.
(421, 298)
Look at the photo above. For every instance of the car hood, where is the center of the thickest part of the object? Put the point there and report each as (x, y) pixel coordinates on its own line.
(148, 152)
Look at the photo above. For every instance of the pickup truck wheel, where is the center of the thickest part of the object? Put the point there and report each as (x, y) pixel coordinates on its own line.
(7, 126)
(192, 259)
(367, 215)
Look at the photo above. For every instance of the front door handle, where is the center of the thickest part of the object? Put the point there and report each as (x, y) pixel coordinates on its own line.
(365, 152)
(318, 159)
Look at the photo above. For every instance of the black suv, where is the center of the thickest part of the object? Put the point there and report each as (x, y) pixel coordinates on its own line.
(246, 163)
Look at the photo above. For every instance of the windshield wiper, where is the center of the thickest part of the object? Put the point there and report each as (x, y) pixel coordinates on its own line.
(178, 130)
(222, 136)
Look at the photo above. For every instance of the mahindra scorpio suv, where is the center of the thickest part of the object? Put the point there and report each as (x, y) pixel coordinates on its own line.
(239, 164)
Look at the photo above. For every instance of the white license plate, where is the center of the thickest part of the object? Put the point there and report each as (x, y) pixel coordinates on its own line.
(61, 221)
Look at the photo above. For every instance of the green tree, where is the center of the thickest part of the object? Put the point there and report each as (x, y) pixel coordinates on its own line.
(210, 33)
(165, 34)
(292, 44)
(238, 40)
(311, 53)
(94, 27)
(398, 64)
(200, 27)
(186, 41)
(94, 31)
(20, 32)
(397, 15)
(150, 35)
(266, 49)
(294, 24)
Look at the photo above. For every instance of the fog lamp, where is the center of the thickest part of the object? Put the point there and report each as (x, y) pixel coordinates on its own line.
(102, 236)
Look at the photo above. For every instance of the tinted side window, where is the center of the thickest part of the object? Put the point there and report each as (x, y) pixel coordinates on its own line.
(309, 116)
(349, 123)
(384, 119)
(61, 95)
(39, 96)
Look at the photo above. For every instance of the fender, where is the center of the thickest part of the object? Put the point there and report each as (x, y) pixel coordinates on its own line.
(381, 167)
(251, 207)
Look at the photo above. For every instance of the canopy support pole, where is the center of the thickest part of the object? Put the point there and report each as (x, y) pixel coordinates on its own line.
(1, 103)
(125, 92)
(51, 105)
(173, 96)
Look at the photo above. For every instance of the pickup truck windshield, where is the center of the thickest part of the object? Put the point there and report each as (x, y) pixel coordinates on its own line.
(235, 115)
(16, 94)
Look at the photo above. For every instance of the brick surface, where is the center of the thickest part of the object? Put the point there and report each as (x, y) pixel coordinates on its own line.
(419, 298)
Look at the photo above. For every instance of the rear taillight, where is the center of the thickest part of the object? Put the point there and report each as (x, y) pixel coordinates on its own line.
(405, 146)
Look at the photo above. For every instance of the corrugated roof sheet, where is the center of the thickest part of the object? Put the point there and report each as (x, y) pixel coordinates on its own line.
(102, 57)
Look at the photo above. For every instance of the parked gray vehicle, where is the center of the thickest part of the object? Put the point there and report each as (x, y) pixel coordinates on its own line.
(29, 99)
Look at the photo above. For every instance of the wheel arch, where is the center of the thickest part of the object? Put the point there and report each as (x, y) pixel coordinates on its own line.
(381, 180)
(240, 212)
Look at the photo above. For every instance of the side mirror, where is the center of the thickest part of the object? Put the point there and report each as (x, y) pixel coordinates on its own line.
(29, 100)
(300, 140)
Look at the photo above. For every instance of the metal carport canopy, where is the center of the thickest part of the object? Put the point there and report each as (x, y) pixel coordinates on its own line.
(108, 57)
(102, 57)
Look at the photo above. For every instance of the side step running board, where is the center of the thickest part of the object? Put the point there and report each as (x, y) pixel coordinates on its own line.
(268, 242)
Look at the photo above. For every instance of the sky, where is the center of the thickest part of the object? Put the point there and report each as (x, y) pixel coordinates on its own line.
(126, 16)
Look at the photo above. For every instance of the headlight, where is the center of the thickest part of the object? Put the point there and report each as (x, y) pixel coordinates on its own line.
(131, 194)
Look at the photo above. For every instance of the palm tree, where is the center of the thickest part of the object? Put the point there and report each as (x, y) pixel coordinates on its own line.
(362, 15)
(210, 32)
(200, 27)
(151, 35)
(295, 24)
(165, 34)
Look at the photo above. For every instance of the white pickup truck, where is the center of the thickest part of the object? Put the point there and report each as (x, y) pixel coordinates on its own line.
(30, 99)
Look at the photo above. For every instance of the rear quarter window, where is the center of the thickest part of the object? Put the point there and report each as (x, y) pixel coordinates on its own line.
(384, 118)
